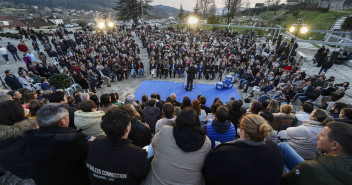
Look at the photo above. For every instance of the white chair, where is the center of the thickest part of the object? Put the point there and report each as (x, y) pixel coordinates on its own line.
(37, 86)
(330, 104)
(75, 85)
(55, 61)
(68, 91)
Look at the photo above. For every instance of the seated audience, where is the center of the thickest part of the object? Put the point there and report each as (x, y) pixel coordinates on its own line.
(168, 117)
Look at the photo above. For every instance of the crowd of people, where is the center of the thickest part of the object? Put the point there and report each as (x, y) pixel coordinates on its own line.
(47, 137)
(51, 138)
(90, 59)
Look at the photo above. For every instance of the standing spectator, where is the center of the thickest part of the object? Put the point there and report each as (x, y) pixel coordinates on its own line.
(56, 153)
(4, 54)
(116, 154)
(257, 161)
(151, 114)
(88, 119)
(180, 150)
(191, 72)
(13, 51)
(12, 81)
(22, 46)
(42, 58)
(327, 64)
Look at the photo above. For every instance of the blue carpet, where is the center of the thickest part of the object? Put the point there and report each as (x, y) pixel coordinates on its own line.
(165, 89)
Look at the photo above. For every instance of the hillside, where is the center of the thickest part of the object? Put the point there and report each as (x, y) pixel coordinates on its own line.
(315, 20)
(164, 11)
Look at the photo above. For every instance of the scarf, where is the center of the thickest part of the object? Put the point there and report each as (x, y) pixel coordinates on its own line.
(188, 139)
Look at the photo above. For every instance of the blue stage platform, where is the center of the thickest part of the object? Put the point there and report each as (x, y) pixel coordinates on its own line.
(165, 89)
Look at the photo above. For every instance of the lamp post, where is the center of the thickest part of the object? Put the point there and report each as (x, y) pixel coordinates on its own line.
(297, 28)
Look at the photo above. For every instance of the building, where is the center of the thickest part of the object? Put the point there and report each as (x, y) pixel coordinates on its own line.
(336, 4)
(39, 23)
(10, 22)
(292, 2)
(259, 5)
(56, 20)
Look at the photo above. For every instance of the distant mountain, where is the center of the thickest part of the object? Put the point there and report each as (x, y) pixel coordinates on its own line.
(69, 4)
(164, 11)
(157, 11)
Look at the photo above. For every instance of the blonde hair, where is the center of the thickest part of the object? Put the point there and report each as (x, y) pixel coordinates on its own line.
(287, 109)
(274, 106)
(256, 127)
(136, 115)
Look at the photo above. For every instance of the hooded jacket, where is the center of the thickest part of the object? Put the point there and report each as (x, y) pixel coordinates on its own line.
(220, 132)
(324, 170)
(89, 122)
(56, 155)
(12, 147)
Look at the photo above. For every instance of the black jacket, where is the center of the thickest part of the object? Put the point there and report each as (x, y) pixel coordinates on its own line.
(116, 162)
(243, 163)
(13, 82)
(140, 134)
(151, 115)
(11, 48)
(56, 155)
(206, 109)
(13, 144)
(191, 73)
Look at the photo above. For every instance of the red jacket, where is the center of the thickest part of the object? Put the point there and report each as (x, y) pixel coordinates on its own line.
(22, 47)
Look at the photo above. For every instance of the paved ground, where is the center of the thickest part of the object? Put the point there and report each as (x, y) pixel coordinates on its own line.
(341, 72)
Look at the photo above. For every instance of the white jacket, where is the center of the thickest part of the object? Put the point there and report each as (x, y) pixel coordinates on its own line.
(303, 139)
(3, 51)
(26, 82)
(89, 122)
(302, 117)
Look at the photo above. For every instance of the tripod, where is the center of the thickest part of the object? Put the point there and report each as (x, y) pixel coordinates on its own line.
(3, 83)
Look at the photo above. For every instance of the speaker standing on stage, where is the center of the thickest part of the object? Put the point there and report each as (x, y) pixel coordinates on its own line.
(191, 73)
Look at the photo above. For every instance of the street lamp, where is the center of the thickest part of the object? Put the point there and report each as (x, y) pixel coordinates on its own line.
(101, 24)
(111, 24)
(297, 28)
(192, 20)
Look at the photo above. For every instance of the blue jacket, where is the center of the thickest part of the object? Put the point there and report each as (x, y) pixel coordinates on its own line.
(220, 131)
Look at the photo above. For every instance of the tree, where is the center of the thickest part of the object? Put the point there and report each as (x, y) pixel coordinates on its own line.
(181, 15)
(213, 19)
(196, 9)
(232, 7)
(132, 9)
(212, 8)
(347, 25)
(82, 24)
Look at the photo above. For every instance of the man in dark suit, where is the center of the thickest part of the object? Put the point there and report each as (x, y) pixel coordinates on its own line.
(191, 73)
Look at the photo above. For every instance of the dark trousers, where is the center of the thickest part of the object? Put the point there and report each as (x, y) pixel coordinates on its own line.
(15, 54)
(189, 82)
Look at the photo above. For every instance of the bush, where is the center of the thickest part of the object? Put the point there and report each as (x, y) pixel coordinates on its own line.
(347, 25)
(213, 19)
(60, 81)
